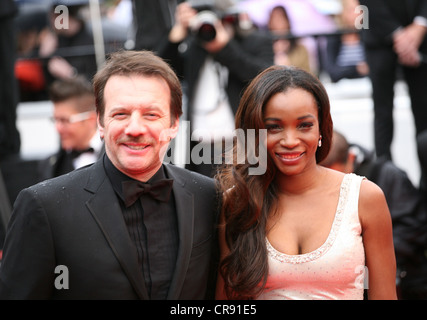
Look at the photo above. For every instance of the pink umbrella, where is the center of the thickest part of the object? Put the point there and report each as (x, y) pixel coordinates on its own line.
(304, 17)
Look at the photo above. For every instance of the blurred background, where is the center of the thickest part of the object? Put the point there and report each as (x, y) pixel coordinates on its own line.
(111, 25)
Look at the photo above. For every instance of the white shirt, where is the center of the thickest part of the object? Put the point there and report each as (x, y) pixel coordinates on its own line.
(89, 157)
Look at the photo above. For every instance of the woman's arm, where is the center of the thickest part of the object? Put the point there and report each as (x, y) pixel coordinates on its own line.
(378, 242)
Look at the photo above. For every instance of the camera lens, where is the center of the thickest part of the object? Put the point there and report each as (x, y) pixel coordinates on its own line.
(206, 32)
(203, 25)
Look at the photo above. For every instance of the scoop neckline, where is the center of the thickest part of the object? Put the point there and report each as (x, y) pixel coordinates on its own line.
(317, 253)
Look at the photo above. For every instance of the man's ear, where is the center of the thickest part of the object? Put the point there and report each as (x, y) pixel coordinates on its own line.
(170, 133)
(174, 129)
(100, 127)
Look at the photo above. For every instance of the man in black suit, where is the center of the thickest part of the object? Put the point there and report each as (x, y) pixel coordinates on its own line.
(75, 121)
(128, 226)
(396, 37)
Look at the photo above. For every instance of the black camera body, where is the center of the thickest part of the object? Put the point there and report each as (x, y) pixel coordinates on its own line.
(203, 25)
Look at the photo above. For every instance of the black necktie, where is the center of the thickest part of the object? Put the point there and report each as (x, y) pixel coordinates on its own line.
(159, 190)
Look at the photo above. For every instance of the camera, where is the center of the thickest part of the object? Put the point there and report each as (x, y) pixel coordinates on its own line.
(203, 25)
(209, 12)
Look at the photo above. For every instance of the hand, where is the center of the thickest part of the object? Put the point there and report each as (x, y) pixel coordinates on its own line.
(410, 59)
(362, 68)
(60, 68)
(48, 43)
(223, 36)
(406, 43)
(183, 15)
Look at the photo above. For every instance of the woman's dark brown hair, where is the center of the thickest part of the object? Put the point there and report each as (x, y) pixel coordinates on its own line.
(249, 199)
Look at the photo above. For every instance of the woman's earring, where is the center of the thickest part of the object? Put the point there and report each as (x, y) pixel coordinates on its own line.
(320, 142)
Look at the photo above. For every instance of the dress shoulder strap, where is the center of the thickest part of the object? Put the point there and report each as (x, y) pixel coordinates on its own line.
(351, 192)
(355, 181)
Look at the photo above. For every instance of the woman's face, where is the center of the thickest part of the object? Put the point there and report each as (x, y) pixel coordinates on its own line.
(292, 123)
(278, 22)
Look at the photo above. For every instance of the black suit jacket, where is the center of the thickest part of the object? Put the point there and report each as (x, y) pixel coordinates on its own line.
(386, 16)
(58, 163)
(8, 8)
(75, 221)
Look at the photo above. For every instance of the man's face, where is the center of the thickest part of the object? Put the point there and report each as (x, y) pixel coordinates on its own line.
(137, 124)
(75, 129)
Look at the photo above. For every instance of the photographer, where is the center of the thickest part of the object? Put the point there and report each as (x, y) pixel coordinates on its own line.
(214, 70)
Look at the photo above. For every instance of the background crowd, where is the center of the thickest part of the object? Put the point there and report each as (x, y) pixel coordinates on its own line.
(47, 57)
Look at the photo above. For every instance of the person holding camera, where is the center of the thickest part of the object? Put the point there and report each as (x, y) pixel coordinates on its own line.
(216, 54)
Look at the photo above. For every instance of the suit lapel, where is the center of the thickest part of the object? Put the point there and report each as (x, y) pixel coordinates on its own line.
(185, 215)
(110, 220)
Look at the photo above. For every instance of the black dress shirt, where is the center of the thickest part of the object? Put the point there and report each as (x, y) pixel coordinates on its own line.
(152, 226)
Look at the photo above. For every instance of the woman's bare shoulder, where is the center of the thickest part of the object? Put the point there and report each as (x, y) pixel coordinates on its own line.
(372, 203)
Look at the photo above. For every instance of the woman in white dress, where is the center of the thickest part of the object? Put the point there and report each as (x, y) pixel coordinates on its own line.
(299, 231)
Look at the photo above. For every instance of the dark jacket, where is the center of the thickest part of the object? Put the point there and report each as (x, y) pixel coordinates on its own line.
(57, 164)
(8, 8)
(408, 210)
(75, 221)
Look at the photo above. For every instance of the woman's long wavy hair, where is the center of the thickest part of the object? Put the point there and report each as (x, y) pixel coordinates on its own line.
(248, 200)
